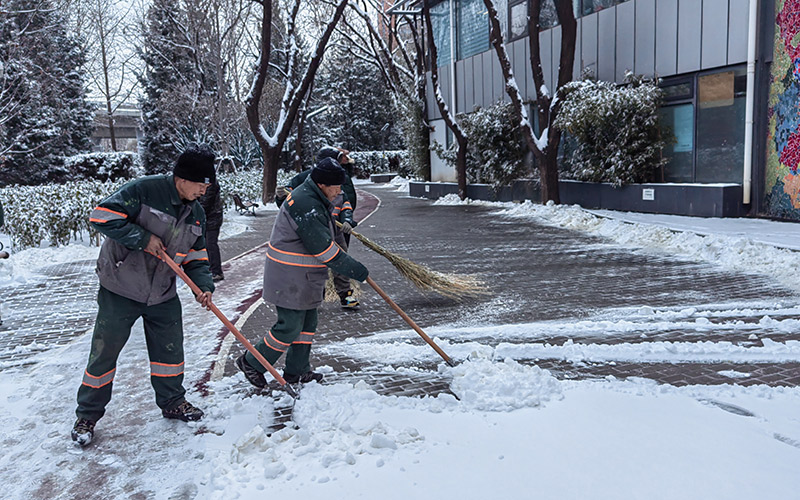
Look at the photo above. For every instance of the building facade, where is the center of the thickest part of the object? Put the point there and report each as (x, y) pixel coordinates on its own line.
(699, 51)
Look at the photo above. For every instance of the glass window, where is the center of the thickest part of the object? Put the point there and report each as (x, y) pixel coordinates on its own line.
(720, 126)
(590, 6)
(678, 120)
(440, 20)
(473, 28)
(677, 91)
(502, 16)
(518, 20)
(548, 18)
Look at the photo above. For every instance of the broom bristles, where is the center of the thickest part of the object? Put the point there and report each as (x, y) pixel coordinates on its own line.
(454, 286)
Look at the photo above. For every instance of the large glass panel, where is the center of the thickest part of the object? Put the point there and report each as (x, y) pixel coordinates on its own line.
(720, 126)
(518, 20)
(678, 120)
(440, 19)
(548, 17)
(472, 36)
(590, 6)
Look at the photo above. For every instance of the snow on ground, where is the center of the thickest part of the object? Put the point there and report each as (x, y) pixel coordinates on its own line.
(514, 431)
(730, 248)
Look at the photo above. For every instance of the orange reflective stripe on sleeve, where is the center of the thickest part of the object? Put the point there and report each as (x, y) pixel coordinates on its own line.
(102, 214)
(292, 258)
(165, 369)
(179, 257)
(196, 255)
(98, 382)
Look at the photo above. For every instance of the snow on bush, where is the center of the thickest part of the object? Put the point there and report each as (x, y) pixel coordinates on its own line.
(494, 148)
(59, 213)
(619, 138)
(377, 162)
(104, 166)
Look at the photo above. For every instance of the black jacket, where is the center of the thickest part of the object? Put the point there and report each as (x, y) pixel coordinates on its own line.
(212, 206)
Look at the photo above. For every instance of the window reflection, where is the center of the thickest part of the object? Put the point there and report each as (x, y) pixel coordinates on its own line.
(678, 120)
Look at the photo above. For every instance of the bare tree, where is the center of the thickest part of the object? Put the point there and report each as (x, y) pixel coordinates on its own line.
(110, 60)
(295, 89)
(545, 146)
(403, 68)
(449, 118)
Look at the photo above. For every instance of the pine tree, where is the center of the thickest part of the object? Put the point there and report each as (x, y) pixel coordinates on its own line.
(45, 112)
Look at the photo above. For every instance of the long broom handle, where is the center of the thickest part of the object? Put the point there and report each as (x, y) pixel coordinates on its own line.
(225, 321)
(410, 321)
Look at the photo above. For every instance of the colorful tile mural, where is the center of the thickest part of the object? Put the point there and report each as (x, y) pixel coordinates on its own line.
(783, 145)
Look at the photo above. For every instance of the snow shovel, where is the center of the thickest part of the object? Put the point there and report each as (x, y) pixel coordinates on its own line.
(410, 321)
(235, 331)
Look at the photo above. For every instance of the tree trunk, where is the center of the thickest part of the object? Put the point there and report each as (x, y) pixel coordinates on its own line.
(272, 160)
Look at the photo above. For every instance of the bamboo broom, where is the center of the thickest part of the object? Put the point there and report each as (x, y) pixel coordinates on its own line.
(453, 286)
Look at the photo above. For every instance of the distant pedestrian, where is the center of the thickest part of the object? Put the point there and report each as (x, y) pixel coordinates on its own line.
(145, 217)
(300, 251)
(213, 207)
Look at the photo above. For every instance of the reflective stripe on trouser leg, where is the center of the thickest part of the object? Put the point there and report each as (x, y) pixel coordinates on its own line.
(297, 361)
(115, 317)
(163, 331)
(280, 337)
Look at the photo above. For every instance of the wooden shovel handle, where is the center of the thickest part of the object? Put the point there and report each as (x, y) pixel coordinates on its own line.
(230, 326)
(410, 321)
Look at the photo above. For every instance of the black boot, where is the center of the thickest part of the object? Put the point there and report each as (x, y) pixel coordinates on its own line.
(252, 375)
(83, 431)
(185, 411)
(347, 300)
(305, 378)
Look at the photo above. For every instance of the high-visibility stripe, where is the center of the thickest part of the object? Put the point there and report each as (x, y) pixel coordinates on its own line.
(165, 369)
(329, 253)
(102, 214)
(304, 338)
(275, 344)
(179, 257)
(347, 206)
(98, 382)
(292, 258)
(196, 255)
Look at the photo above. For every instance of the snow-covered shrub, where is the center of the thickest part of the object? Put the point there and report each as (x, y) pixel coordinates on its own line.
(494, 147)
(247, 184)
(104, 166)
(56, 213)
(376, 162)
(617, 130)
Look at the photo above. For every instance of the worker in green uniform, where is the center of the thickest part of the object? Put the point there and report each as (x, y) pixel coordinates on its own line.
(300, 251)
(147, 216)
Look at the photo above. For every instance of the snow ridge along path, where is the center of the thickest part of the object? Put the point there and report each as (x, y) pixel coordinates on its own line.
(544, 409)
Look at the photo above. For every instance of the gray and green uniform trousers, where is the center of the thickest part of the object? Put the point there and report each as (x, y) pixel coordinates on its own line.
(292, 334)
(163, 329)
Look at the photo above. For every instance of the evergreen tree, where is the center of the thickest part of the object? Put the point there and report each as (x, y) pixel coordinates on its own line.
(45, 112)
(360, 106)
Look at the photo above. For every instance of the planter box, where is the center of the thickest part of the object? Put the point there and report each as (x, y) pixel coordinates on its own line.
(381, 178)
(700, 200)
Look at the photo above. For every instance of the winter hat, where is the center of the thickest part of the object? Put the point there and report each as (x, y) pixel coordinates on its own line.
(328, 152)
(196, 164)
(328, 171)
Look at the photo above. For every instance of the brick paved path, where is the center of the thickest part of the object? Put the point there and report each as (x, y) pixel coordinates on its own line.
(536, 273)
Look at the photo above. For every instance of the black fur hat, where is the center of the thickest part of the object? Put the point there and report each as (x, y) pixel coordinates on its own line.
(196, 164)
(328, 171)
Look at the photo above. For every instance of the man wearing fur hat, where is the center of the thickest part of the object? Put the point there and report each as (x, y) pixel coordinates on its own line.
(145, 217)
(300, 251)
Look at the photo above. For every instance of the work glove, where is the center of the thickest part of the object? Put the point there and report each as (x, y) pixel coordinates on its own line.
(347, 228)
(281, 192)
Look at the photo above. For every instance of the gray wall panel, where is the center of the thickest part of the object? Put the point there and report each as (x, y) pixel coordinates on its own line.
(689, 16)
(498, 90)
(546, 51)
(556, 60)
(530, 91)
(645, 37)
(576, 71)
(433, 108)
(714, 50)
(737, 31)
(625, 29)
(519, 65)
(444, 85)
(666, 37)
(606, 33)
(460, 100)
(589, 43)
(486, 71)
(477, 81)
(468, 84)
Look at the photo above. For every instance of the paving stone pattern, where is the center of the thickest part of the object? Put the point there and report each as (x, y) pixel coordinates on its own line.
(535, 273)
